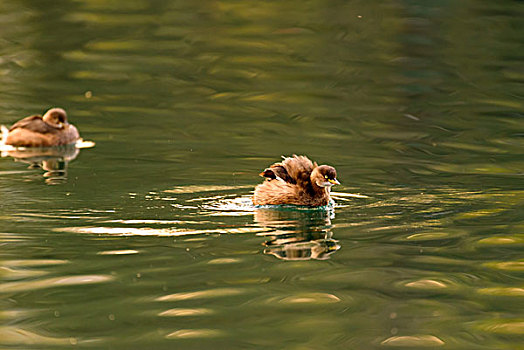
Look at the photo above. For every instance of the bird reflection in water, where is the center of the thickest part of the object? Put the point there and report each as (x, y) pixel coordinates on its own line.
(297, 234)
(53, 160)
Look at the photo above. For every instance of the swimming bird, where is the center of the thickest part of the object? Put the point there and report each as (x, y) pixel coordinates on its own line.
(50, 130)
(297, 181)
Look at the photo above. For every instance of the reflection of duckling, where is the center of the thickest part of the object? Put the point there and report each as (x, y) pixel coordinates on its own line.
(50, 130)
(297, 181)
(305, 250)
(297, 234)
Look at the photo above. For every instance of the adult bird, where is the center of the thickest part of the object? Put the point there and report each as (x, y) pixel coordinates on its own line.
(296, 180)
(49, 130)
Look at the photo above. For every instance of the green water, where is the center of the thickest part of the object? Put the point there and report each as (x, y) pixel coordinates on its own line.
(149, 240)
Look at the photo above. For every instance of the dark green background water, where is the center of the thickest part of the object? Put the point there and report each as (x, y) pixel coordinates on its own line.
(151, 242)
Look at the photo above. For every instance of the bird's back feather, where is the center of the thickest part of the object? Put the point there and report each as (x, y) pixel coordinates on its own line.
(34, 123)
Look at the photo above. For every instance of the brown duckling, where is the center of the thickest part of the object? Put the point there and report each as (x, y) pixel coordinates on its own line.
(36, 131)
(297, 181)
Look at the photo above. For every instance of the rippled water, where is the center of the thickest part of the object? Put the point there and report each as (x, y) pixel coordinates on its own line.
(150, 240)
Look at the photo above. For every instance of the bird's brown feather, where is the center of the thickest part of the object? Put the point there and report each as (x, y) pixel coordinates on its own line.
(34, 123)
(291, 182)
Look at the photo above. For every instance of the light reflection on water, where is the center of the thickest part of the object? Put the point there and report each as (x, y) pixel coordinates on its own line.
(291, 233)
(383, 262)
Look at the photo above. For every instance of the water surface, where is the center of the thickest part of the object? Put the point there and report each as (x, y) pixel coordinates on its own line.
(149, 239)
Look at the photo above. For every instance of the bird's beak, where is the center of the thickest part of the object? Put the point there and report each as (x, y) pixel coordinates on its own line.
(334, 181)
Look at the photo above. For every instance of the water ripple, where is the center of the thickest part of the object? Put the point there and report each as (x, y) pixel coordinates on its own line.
(10, 287)
(413, 341)
(301, 299)
(119, 252)
(204, 294)
(180, 312)
(17, 336)
(146, 231)
(195, 333)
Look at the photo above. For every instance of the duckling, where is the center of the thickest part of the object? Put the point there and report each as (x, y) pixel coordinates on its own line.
(297, 181)
(36, 131)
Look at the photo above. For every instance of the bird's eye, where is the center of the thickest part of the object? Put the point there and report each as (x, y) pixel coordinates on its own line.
(325, 176)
